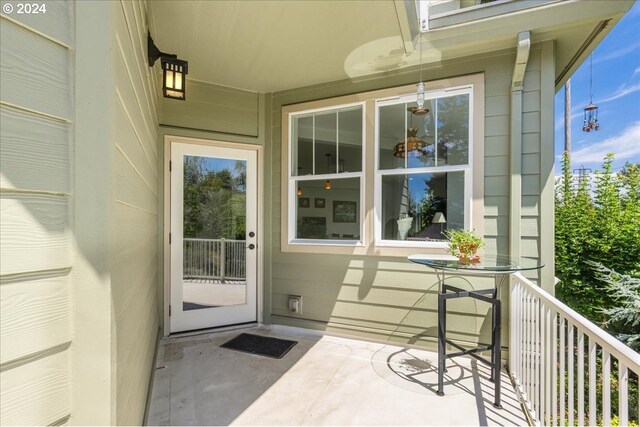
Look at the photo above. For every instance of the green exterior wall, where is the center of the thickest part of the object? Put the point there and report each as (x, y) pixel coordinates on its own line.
(36, 203)
(389, 298)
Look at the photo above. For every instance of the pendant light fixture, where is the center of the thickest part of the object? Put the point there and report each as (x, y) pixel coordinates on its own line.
(591, 111)
(299, 192)
(327, 185)
(412, 144)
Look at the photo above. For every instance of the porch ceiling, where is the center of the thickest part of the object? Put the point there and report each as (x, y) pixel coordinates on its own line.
(269, 46)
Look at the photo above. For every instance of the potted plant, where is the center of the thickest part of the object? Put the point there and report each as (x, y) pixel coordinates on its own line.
(464, 244)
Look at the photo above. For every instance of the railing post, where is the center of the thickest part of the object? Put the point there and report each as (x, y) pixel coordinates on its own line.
(553, 333)
(223, 259)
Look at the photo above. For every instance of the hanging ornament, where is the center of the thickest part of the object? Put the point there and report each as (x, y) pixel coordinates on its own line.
(420, 88)
(591, 111)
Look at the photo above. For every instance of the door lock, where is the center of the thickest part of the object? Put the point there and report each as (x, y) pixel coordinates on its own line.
(252, 234)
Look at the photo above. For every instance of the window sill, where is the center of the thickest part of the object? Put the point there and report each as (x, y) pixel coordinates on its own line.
(412, 244)
(339, 243)
(356, 248)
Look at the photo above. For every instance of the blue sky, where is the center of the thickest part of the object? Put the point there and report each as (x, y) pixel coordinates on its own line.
(616, 91)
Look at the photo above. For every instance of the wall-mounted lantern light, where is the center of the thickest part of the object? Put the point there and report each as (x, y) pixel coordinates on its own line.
(174, 71)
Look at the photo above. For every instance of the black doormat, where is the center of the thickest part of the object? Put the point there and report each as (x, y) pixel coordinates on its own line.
(263, 346)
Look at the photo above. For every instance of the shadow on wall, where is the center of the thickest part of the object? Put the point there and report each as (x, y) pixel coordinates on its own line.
(386, 299)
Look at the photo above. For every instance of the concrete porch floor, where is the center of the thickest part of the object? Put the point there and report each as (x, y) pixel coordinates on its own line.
(323, 380)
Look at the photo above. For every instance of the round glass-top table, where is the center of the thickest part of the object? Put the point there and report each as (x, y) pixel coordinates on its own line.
(498, 266)
(490, 264)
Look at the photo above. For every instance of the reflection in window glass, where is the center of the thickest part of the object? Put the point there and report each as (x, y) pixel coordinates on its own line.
(403, 134)
(328, 210)
(424, 129)
(326, 142)
(214, 242)
(453, 130)
(302, 145)
(421, 207)
(391, 131)
(350, 139)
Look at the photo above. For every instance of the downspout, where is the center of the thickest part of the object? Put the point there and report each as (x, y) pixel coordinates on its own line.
(517, 87)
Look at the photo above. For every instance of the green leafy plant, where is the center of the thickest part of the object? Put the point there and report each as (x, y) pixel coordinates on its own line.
(597, 219)
(464, 244)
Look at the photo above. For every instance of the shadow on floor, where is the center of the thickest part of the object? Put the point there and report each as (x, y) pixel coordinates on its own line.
(323, 380)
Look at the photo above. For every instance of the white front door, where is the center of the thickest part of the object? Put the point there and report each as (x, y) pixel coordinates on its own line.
(213, 236)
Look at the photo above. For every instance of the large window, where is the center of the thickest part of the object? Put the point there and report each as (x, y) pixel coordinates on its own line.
(326, 176)
(423, 170)
(363, 174)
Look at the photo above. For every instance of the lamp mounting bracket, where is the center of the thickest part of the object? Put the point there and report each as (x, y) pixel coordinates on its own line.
(154, 53)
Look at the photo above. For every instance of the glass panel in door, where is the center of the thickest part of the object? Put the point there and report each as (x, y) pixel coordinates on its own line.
(214, 230)
(213, 236)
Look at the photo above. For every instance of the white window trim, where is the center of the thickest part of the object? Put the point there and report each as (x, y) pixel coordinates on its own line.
(466, 168)
(367, 244)
(292, 179)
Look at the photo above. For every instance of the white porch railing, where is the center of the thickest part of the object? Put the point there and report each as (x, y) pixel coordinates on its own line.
(214, 259)
(547, 361)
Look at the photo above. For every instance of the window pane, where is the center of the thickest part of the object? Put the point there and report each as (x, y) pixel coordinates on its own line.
(453, 130)
(410, 204)
(350, 140)
(391, 131)
(302, 145)
(326, 127)
(404, 134)
(334, 136)
(332, 214)
(422, 151)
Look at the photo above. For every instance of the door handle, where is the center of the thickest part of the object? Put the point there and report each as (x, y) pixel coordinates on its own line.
(251, 246)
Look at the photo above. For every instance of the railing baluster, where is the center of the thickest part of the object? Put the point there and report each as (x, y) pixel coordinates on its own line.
(214, 259)
(545, 329)
(525, 345)
(530, 352)
(554, 369)
(223, 257)
(520, 337)
(570, 357)
(537, 342)
(606, 387)
(623, 397)
(563, 353)
(543, 363)
(592, 382)
(580, 353)
(547, 366)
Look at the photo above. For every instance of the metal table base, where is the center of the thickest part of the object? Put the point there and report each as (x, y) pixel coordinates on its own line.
(490, 296)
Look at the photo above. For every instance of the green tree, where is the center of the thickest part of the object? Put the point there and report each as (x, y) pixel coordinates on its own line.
(214, 201)
(193, 174)
(624, 318)
(600, 227)
(597, 231)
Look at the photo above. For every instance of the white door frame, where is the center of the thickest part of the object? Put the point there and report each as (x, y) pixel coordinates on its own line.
(166, 223)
